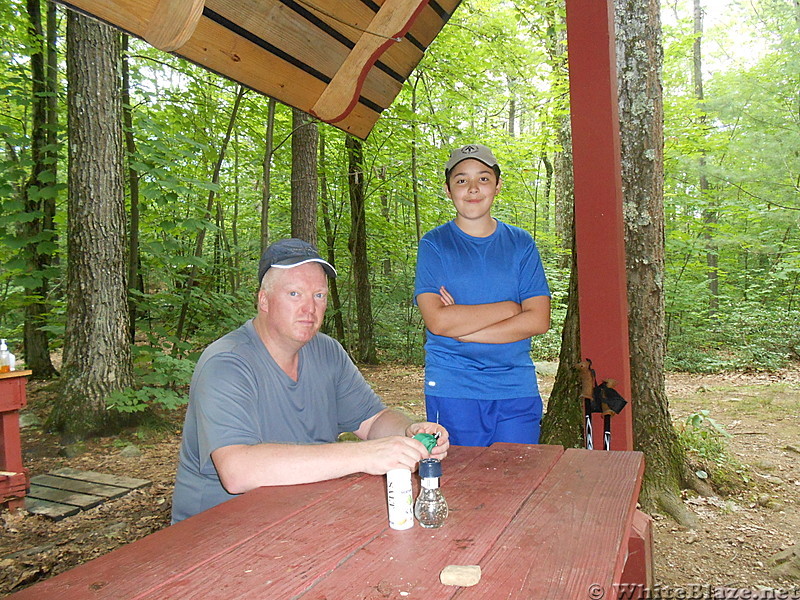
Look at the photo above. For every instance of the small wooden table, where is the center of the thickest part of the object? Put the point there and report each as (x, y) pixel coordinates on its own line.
(540, 521)
(13, 476)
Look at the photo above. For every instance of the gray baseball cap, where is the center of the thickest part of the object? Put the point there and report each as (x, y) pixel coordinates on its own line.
(291, 252)
(476, 151)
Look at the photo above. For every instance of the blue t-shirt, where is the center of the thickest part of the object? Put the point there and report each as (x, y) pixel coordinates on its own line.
(239, 395)
(479, 270)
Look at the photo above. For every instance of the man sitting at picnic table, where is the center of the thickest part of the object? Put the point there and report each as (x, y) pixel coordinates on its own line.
(268, 401)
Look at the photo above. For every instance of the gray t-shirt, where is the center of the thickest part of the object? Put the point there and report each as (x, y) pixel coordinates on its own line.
(239, 395)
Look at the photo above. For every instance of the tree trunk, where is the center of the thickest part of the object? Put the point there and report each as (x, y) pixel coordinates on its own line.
(365, 350)
(305, 139)
(39, 198)
(563, 422)
(330, 243)
(710, 216)
(235, 267)
(266, 173)
(97, 356)
(135, 281)
(386, 213)
(198, 249)
(639, 59)
(548, 187)
(414, 173)
(564, 187)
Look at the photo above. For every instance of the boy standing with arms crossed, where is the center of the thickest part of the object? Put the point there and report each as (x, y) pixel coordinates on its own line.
(482, 292)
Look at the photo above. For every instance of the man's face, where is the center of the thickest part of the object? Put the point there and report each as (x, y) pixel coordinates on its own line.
(472, 188)
(294, 305)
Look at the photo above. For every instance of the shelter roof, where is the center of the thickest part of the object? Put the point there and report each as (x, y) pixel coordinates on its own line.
(343, 61)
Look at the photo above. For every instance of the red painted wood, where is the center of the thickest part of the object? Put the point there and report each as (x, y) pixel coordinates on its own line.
(482, 502)
(638, 576)
(572, 533)
(514, 509)
(188, 547)
(12, 398)
(12, 390)
(599, 225)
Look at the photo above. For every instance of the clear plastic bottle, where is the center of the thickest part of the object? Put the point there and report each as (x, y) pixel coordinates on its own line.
(7, 360)
(430, 508)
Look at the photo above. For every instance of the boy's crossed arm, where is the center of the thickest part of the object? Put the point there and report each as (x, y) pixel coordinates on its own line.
(495, 323)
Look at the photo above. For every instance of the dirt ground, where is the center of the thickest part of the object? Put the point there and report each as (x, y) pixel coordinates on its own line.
(738, 532)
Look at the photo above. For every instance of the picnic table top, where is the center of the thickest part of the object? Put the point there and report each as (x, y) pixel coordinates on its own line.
(541, 522)
(13, 374)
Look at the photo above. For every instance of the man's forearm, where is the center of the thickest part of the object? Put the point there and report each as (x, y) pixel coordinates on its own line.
(242, 468)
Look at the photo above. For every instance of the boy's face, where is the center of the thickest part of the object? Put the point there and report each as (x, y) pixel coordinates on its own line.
(472, 186)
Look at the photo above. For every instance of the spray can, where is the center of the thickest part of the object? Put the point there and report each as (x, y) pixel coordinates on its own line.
(400, 500)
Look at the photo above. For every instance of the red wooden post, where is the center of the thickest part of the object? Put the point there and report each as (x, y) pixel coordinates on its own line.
(13, 476)
(599, 226)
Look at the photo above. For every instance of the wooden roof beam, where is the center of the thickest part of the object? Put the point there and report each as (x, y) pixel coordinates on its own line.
(389, 25)
(173, 22)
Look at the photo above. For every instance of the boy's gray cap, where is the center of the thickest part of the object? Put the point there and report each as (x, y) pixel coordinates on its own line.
(291, 252)
(476, 151)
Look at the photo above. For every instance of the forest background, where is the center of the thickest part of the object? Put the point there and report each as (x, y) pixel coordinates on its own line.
(213, 172)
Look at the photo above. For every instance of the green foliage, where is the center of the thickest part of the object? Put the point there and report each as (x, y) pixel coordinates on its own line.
(163, 378)
(705, 442)
(492, 57)
(741, 140)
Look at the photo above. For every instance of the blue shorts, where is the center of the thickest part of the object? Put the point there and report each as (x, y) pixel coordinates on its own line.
(473, 422)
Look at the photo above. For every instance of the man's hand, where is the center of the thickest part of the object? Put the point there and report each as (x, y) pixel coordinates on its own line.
(384, 454)
(442, 440)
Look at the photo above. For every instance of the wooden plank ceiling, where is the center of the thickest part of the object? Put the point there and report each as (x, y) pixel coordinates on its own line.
(343, 61)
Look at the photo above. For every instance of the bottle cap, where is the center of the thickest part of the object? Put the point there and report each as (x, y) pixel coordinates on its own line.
(430, 467)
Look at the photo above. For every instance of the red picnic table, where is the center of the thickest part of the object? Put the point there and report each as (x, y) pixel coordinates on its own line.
(540, 521)
(14, 478)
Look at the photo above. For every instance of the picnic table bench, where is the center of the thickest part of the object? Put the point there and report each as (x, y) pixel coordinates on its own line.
(540, 521)
(13, 476)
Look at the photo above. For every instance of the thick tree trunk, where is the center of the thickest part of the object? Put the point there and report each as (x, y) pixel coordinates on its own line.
(639, 59)
(305, 140)
(365, 350)
(97, 357)
(39, 203)
(563, 422)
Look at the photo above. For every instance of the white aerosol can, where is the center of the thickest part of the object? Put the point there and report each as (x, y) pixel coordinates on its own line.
(399, 497)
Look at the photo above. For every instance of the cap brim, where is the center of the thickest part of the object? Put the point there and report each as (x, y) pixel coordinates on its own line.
(329, 270)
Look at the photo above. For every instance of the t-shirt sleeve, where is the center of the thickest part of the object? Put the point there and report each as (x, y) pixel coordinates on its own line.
(356, 401)
(532, 278)
(225, 393)
(429, 269)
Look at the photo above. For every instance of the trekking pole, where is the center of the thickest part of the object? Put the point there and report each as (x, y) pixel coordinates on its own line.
(611, 403)
(587, 395)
